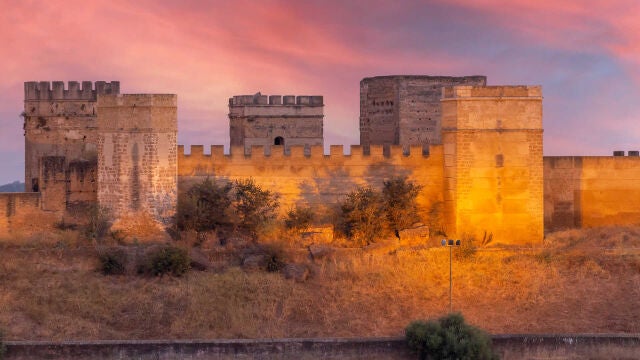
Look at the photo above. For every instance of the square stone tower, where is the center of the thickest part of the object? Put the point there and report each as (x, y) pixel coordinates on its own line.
(137, 158)
(492, 139)
(60, 122)
(275, 120)
(405, 109)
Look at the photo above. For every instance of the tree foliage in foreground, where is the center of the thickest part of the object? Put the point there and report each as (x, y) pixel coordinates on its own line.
(241, 204)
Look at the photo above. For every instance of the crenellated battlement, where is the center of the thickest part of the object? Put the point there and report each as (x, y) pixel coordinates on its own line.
(260, 153)
(276, 100)
(45, 90)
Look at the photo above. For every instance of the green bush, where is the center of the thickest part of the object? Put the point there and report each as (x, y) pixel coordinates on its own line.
(166, 260)
(448, 338)
(113, 261)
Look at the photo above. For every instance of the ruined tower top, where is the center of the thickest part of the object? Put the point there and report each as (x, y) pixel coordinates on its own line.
(45, 90)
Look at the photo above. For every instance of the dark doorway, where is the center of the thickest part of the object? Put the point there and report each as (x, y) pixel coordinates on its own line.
(279, 140)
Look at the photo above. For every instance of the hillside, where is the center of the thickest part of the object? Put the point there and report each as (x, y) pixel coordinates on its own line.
(585, 281)
(15, 186)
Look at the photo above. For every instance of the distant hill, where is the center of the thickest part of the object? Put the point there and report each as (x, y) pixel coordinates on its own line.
(15, 186)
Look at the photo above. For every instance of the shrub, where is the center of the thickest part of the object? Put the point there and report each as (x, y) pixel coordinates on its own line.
(399, 203)
(299, 218)
(204, 207)
(275, 258)
(113, 261)
(448, 338)
(166, 260)
(254, 207)
(362, 216)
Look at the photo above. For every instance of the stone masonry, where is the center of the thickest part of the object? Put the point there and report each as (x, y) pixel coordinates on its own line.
(275, 120)
(492, 137)
(137, 160)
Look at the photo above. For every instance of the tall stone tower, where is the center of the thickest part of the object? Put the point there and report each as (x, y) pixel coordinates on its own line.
(492, 138)
(60, 122)
(275, 120)
(404, 109)
(137, 157)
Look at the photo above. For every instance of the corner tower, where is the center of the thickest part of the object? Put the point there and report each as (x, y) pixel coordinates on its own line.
(275, 120)
(492, 139)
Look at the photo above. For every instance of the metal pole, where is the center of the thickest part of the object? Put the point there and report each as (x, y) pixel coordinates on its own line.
(450, 281)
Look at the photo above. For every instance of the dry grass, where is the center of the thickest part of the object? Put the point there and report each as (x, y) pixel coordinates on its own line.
(579, 281)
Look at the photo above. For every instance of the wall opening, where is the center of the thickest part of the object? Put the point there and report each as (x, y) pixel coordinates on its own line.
(279, 140)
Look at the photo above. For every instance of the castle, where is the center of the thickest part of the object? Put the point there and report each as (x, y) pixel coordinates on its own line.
(475, 149)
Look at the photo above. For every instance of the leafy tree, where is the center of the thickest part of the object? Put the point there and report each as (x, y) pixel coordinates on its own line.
(399, 198)
(449, 338)
(204, 207)
(362, 215)
(253, 206)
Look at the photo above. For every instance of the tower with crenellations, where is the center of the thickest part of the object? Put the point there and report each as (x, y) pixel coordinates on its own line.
(60, 121)
(275, 121)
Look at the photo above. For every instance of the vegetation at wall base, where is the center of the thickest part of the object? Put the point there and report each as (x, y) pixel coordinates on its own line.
(449, 337)
(239, 205)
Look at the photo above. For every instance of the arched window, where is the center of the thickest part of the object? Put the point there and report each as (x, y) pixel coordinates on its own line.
(279, 140)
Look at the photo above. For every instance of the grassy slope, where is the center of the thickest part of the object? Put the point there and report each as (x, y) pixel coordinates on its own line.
(581, 281)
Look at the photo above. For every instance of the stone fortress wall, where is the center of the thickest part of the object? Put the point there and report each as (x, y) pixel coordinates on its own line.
(482, 173)
(314, 179)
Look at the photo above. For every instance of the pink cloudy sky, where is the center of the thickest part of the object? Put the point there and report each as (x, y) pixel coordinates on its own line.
(585, 54)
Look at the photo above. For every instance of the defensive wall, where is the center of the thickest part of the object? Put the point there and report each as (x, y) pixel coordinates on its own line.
(587, 191)
(314, 179)
(89, 145)
(508, 347)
